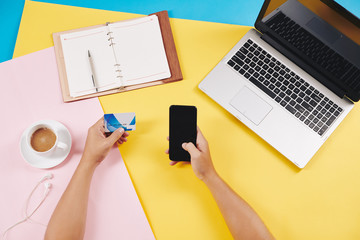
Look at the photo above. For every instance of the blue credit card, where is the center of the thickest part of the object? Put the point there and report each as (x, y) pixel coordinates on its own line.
(114, 121)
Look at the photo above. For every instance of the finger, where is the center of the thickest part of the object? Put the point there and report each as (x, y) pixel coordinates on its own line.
(168, 138)
(201, 141)
(100, 125)
(172, 163)
(190, 147)
(200, 136)
(97, 125)
(126, 134)
(167, 151)
(115, 136)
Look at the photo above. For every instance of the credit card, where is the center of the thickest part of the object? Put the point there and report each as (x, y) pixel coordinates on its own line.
(114, 121)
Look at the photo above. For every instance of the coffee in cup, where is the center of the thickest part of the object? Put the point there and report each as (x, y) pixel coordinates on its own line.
(43, 139)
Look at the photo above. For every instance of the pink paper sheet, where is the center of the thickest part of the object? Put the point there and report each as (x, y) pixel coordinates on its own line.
(31, 92)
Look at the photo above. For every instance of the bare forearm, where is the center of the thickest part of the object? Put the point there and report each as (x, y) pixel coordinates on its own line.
(69, 218)
(242, 220)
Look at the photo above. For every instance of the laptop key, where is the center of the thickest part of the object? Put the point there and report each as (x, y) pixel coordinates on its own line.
(313, 103)
(300, 108)
(240, 55)
(231, 63)
(307, 106)
(290, 109)
(330, 120)
(244, 50)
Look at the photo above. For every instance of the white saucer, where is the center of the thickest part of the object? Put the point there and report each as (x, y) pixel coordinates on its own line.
(57, 157)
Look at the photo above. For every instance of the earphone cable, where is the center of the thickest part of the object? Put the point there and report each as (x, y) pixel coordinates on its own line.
(27, 217)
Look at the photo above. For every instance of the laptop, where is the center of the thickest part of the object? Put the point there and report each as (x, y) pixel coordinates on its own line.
(294, 78)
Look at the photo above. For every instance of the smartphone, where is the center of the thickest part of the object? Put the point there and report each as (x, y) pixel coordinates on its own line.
(183, 128)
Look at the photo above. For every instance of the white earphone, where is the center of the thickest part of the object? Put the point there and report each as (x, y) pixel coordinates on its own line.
(47, 187)
(28, 216)
(47, 176)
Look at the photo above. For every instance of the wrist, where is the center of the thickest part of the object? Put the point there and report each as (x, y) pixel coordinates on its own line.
(209, 177)
(88, 164)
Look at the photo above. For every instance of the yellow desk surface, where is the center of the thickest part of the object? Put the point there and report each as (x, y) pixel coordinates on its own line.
(319, 202)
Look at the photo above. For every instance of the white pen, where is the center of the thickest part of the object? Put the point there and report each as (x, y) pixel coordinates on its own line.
(92, 71)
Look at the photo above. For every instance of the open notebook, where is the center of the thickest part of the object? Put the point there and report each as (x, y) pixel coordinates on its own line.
(123, 53)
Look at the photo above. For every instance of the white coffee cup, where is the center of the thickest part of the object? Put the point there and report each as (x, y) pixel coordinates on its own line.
(57, 143)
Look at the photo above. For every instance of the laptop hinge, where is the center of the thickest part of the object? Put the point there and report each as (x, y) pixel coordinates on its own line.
(302, 64)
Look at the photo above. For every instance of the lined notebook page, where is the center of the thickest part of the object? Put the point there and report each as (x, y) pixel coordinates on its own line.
(75, 49)
(139, 50)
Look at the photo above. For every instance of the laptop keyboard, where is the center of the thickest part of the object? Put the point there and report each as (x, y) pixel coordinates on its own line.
(316, 50)
(290, 91)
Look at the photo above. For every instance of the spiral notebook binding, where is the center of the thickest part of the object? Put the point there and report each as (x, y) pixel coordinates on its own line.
(117, 65)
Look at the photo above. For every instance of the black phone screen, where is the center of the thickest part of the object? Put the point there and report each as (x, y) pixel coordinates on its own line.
(182, 129)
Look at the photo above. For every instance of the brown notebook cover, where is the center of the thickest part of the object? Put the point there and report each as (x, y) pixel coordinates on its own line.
(170, 50)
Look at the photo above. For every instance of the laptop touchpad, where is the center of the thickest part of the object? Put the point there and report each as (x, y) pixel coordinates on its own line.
(251, 105)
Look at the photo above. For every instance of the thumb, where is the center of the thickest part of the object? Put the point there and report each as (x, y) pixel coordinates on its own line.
(115, 135)
(190, 147)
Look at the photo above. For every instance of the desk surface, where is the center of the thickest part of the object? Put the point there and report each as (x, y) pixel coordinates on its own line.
(318, 202)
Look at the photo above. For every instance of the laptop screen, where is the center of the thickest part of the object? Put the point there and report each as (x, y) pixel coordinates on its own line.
(349, 9)
(319, 34)
(326, 11)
